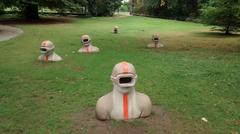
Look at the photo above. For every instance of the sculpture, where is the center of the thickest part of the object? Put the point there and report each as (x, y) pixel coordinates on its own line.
(155, 41)
(115, 30)
(87, 45)
(124, 102)
(47, 52)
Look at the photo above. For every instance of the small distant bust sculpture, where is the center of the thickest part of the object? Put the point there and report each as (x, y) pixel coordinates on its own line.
(116, 30)
(124, 102)
(87, 46)
(155, 41)
(47, 52)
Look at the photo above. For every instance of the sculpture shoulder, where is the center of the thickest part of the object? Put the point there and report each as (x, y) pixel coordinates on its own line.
(40, 57)
(82, 50)
(143, 98)
(56, 57)
(95, 49)
(103, 106)
(105, 99)
(144, 104)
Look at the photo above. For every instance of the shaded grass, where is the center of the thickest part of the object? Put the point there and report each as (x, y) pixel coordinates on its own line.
(195, 75)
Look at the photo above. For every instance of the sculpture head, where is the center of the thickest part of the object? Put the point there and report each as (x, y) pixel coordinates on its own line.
(85, 39)
(115, 29)
(124, 77)
(47, 47)
(155, 37)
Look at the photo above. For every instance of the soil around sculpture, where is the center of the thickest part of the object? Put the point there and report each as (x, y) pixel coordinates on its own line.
(160, 122)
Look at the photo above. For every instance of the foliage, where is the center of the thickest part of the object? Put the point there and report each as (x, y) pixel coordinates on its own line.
(1, 8)
(223, 13)
(179, 9)
(95, 7)
(103, 7)
(52, 4)
(125, 7)
(139, 6)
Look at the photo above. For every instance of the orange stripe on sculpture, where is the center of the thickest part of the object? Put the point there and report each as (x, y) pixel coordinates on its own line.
(46, 58)
(125, 106)
(125, 67)
(45, 43)
(88, 49)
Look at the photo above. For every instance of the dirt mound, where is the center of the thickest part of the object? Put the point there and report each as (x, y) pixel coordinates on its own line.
(160, 122)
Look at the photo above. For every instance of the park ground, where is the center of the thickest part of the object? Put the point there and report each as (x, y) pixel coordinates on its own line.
(195, 75)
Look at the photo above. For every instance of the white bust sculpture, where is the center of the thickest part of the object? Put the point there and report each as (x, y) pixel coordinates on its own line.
(87, 46)
(116, 30)
(47, 52)
(124, 102)
(155, 41)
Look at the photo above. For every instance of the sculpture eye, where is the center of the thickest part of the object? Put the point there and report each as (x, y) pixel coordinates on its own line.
(124, 80)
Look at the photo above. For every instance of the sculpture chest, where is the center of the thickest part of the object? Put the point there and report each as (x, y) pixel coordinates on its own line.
(52, 57)
(125, 106)
(88, 49)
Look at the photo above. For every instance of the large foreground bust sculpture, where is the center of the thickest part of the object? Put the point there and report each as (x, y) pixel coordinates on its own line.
(47, 52)
(124, 102)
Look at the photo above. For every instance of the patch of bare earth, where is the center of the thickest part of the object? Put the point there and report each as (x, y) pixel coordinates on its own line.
(160, 122)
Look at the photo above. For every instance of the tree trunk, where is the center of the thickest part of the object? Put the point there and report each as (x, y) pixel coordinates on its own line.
(31, 12)
(132, 5)
(227, 29)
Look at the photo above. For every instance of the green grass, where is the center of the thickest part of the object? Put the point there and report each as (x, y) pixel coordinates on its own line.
(196, 74)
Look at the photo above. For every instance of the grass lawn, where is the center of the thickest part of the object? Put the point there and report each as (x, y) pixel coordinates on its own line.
(196, 74)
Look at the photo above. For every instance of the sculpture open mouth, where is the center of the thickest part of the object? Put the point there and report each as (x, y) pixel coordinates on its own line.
(43, 49)
(125, 80)
(155, 39)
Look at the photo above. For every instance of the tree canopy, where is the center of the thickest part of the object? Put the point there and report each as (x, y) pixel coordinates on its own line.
(168, 8)
(95, 7)
(103, 7)
(223, 13)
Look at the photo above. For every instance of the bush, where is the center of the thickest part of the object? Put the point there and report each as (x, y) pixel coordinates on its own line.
(125, 7)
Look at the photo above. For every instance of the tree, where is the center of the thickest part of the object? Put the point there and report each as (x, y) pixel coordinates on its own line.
(222, 13)
(96, 7)
(125, 7)
(29, 8)
(177, 9)
(1, 8)
(103, 7)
